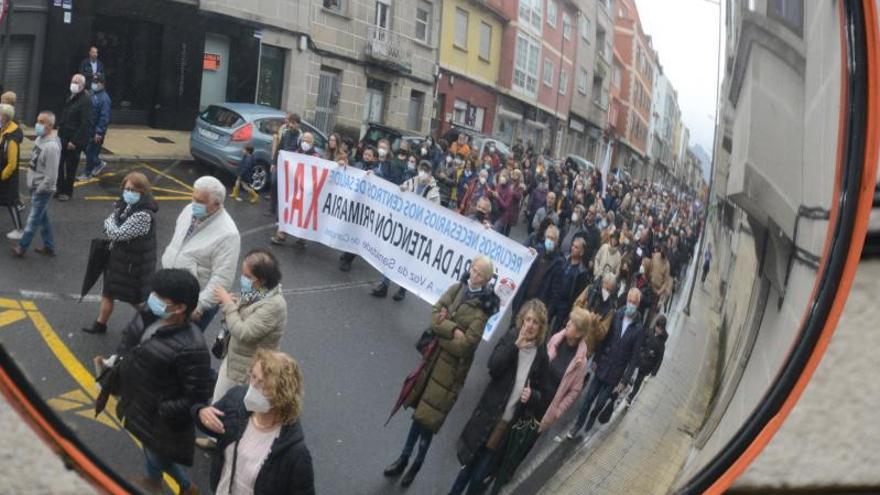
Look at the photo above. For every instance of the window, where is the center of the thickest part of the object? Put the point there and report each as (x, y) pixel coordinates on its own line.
(622, 11)
(788, 12)
(583, 77)
(383, 14)
(416, 104)
(335, 5)
(548, 73)
(566, 25)
(600, 42)
(461, 28)
(485, 41)
(551, 13)
(600, 96)
(585, 29)
(525, 73)
(563, 82)
(530, 12)
(423, 22)
(615, 76)
(467, 115)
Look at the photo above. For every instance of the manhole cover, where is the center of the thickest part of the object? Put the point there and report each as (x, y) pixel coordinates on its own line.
(161, 139)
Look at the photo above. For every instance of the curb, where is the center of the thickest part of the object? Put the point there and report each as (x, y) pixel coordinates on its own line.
(157, 159)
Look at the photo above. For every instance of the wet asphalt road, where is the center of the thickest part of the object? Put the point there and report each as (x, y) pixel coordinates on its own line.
(354, 350)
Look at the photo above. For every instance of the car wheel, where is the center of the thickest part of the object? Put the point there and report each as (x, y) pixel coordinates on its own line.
(260, 176)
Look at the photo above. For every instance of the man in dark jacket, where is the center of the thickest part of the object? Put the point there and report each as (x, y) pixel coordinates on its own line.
(573, 281)
(73, 130)
(164, 369)
(649, 356)
(91, 66)
(545, 273)
(391, 170)
(613, 356)
(98, 131)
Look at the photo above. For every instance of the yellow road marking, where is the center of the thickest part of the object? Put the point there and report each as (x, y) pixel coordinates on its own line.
(11, 316)
(63, 405)
(168, 176)
(93, 180)
(9, 303)
(172, 191)
(79, 372)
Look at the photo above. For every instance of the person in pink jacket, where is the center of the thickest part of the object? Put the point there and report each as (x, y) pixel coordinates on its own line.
(568, 353)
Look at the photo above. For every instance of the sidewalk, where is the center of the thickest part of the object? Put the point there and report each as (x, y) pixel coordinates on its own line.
(640, 450)
(131, 144)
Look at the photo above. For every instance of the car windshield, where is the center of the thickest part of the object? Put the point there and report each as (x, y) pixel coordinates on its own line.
(221, 117)
(374, 134)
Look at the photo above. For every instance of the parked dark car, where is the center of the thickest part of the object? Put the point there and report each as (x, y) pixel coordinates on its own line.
(222, 131)
(376, 131)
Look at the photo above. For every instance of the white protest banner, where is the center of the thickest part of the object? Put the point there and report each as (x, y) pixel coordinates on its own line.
(419, 245)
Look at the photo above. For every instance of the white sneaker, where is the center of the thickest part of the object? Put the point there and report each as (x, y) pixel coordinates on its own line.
(82, 178)
(15, 235)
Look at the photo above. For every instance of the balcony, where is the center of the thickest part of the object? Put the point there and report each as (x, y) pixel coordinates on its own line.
(388, 49)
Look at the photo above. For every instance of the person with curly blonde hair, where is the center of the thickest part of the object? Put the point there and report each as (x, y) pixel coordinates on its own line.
(260, 443)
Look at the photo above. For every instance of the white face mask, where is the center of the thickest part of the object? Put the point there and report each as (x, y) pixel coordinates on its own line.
(75, 88)
(449, 159)
(482, 180)
(255, 401)
(605, 294)
(382, 152)
(306, 146)
(423, 176)
(642, 270)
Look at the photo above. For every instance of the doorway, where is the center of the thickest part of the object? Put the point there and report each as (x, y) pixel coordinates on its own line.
(215, 70)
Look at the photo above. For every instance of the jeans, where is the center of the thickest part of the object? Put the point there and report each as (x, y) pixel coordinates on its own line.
(207, 316)
(471, 475)
(38, 219)
(598, 393)
(93, 150)
(421, 434)
(157, 464)
(67, 169)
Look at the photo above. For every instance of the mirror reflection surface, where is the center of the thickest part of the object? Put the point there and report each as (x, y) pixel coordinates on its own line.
(567, 244)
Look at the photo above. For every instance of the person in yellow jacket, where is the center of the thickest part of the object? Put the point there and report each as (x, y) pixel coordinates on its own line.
(11, 137)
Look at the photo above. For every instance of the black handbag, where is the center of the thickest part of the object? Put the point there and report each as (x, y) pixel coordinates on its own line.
(425, 340)
(607, 410)
(221, 343)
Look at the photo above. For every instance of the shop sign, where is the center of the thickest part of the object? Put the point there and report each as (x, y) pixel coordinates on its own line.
(211, 62)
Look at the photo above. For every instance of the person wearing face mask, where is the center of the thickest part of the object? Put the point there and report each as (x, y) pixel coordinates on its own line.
(477, 189)
(600, 298)
(649, 356)
(547, 211)
(461, 146)
(423, 183)
(261, 446)
(483, 212)
(207, 243)
(306, 147)
(457, 322)
(572, 281)
(412, 166)
(465, 175)
(163, 369)
(507, 199)
(614, 355)
(41, 181)
(388, 167)
(73, 130)
(100, 122)
(608, 258)
(131, 230)
(545, 273)
(254, 320)
(660, 277)
(517, 390)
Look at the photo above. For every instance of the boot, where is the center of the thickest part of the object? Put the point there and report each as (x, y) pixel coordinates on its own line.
(253, 196)
(410, 475)
(380, 290)
(96, 328)
(397, 467)
(234, 194)
(400, 295)
(345, 265)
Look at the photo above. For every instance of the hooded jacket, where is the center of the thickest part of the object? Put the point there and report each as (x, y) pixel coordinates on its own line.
(10, 148)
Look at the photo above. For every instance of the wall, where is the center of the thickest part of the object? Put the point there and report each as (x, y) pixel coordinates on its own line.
(468, 62)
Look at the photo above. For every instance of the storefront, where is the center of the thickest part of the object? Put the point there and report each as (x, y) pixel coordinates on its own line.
(163, 60)
(24, 56)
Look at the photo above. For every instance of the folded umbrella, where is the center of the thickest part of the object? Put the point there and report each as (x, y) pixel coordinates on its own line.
(410, 382)
(99, 255)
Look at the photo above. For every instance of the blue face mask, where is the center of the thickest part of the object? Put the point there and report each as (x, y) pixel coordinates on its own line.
(40, 129)
(246, 285)
(131, 197)
(94, 87)
(631, 309)
(199, 210)
(549, 244)
(157, 306)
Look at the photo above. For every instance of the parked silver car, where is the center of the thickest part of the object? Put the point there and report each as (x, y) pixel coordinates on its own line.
(223, 130)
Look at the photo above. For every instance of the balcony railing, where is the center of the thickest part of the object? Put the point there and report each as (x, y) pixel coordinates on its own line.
(389, 49)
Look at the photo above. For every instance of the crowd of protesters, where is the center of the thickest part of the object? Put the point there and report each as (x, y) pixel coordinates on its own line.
(610, 253)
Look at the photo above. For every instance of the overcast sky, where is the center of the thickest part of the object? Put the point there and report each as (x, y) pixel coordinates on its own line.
(685, 35)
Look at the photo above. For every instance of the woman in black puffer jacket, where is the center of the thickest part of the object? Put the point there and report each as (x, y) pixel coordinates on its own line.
(163, 371)
(261, 447)
(131, 229)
